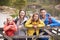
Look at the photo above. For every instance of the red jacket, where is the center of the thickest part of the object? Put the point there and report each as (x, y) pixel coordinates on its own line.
(10, 29)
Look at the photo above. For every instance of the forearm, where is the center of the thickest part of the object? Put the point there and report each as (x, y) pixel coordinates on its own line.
(41, 25)
(29, 26)
(6, 28)
(14, 28)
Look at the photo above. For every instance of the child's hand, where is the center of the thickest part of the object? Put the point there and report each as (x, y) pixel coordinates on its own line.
(10, 25)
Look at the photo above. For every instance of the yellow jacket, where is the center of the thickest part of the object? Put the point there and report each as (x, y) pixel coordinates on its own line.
(31, 30)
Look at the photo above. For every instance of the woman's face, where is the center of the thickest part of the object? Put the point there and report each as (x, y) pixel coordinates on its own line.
(22, 14)
(35, 17)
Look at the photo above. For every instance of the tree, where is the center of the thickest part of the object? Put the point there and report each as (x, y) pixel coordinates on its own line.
(19, 4)
(4, 2)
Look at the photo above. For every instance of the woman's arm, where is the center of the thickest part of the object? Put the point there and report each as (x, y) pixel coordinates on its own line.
(28, 23)
(6, 27)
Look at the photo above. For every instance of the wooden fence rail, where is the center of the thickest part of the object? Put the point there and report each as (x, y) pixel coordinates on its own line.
(35, 37)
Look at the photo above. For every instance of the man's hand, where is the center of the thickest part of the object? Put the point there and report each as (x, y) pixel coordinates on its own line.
(48, 27)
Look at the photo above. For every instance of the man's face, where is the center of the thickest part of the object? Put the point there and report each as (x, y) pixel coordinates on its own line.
(43, 12)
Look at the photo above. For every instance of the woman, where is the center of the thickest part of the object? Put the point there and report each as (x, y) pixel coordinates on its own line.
(33, 25)
(20, 21)
(10, 27)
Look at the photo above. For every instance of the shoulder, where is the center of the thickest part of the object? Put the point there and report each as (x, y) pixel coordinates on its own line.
(26, 18)
(48, 14)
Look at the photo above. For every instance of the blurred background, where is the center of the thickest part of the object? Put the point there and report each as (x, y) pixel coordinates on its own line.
(11, 7)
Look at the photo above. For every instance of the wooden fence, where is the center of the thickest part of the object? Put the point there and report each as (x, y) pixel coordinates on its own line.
(53, 33)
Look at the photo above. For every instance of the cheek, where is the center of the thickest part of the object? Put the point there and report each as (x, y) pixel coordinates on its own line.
(22, 13)
(36, 18)
(43, 14)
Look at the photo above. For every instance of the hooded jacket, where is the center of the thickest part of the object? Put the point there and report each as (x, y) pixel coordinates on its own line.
(29, 24)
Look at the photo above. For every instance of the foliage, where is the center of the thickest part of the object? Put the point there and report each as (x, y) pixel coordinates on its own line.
(4, 2)
(13, 3)
(19, 4)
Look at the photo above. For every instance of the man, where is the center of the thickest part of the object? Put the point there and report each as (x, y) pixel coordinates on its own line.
(43, 12)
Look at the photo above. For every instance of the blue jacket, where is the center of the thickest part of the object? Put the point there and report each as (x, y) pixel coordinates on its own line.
(47, 15)
(53, 23)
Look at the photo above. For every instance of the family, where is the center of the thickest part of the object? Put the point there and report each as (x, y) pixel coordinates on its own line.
(32, 25)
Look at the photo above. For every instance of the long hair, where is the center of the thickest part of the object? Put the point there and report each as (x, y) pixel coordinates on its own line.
(33, 17)
(20, 12)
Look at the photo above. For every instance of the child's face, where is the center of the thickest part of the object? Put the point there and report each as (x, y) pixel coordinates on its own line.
(9, 21)
(35, 17)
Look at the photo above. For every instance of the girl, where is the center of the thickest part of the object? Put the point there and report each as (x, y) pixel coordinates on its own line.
(10, 27)
(33, 25)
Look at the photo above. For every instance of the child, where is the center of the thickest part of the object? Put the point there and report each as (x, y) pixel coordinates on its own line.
(33, 25)
(9, 27)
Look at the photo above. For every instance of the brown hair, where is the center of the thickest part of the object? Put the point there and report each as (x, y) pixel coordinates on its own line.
(42, 9)
(20, 12)
(34, 15)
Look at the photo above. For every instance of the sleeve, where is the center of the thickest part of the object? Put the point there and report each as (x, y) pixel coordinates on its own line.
(6, 27)
(54, 20)
(41, 24)
(14, 27)
(54, 23)
(15, 20)
(28, 23)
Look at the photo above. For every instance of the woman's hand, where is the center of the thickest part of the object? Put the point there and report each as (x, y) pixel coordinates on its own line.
(35, 26)
(20, 27)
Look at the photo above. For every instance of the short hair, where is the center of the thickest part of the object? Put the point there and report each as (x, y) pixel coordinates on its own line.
(42, 9)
